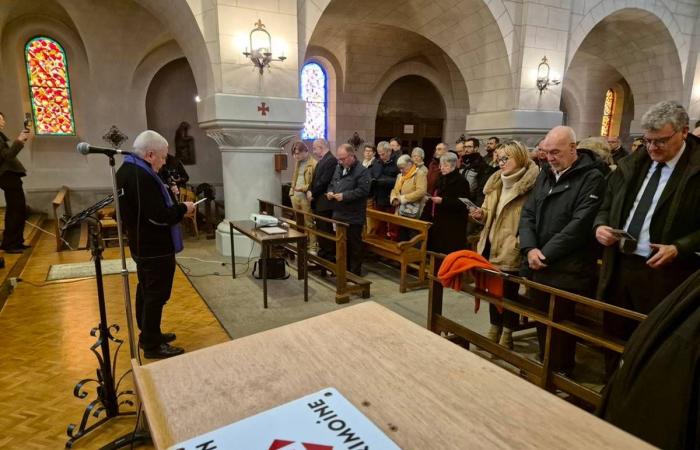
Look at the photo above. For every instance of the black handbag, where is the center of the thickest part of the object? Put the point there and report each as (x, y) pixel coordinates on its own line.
(276, 269)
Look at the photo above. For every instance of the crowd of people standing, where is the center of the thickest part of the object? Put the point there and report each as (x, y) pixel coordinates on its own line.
(548, 213)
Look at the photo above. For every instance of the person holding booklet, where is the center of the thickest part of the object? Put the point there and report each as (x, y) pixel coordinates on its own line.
(654, 196)
(505, 194)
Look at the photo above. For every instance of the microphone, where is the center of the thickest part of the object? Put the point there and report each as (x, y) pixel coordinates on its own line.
(85, 149)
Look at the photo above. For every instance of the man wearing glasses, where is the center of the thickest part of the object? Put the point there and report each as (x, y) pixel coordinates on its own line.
(654, 196)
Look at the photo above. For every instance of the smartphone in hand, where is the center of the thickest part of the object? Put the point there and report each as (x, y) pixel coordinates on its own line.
(622, 234)
(27, 121)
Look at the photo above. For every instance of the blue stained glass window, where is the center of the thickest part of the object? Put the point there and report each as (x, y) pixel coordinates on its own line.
(314, 91)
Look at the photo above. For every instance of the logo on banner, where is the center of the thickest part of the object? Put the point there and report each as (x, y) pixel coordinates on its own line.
(278, 444)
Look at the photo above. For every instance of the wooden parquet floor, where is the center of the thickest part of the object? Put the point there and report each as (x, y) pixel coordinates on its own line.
(44, 348)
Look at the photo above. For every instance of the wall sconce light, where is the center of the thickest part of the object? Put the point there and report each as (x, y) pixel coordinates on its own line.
(543, 80)
(260, 53)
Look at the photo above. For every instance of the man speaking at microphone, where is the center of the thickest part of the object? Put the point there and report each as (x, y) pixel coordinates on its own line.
(151, 218)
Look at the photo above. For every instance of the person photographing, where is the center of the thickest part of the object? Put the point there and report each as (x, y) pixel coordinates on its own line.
(11, 173)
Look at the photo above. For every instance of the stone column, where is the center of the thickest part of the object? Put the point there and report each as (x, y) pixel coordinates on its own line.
(248, 140)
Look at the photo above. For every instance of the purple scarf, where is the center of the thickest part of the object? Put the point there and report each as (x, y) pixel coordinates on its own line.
(175, 231)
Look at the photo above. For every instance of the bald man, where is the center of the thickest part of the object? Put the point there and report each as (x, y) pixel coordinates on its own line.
(556, 232)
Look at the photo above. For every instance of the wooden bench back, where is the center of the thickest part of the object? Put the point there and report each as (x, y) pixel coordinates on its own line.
(61, 198)
(405, 222)
(296, 219)
(540, 374)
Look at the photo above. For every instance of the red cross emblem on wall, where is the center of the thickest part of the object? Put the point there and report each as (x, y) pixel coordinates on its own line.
(263, 109)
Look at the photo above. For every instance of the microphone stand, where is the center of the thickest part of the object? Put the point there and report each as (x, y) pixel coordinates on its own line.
(140, 433)
(108, 397)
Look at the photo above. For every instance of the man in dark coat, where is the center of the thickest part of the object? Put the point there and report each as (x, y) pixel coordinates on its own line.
(616, 149)
(655, 394)
(654, 195)
(349, 188)
(555, 233)
(449, 231)
(383, 185)
(11, 173)
(151, 218)
(475, 170)
(317, 195)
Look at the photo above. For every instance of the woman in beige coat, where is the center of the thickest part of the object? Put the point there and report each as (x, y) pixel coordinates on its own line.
(506, 192)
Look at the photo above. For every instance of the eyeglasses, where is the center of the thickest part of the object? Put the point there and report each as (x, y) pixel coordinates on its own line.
(503, 159)
(660, 142)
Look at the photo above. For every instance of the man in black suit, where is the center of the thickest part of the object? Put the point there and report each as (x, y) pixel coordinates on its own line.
(654, 195)
(321, 205)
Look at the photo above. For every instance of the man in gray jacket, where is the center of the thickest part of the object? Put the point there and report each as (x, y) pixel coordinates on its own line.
(349, 188)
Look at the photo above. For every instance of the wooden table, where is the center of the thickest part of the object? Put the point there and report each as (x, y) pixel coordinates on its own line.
(267, 241)
(422, 391)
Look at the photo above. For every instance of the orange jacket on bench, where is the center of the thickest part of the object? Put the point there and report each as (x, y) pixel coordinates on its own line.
(456, 263)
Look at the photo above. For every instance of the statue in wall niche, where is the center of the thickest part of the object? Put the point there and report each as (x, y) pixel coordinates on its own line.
(184, 145)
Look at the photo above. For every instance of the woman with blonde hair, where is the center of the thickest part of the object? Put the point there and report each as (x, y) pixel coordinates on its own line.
(505, 194)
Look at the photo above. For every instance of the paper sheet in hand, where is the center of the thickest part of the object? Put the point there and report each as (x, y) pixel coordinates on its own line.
(470, 204)
(324, 420)
(273, 230)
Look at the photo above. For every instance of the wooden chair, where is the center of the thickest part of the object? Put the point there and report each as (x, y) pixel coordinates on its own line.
(187, 194)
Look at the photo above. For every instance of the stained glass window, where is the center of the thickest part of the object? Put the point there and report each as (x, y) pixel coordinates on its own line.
(49, 87)
(314, 92)
(608, 111)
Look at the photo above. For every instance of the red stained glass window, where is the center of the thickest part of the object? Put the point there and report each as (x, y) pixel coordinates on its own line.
(49, 87)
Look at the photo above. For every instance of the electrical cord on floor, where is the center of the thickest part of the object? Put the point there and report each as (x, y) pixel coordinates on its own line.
(53, 283)
(49, 233)
(188, 270)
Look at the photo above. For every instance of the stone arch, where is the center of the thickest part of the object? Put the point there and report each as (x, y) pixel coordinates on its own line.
(632, 44)
(168, 101)
(154, 61)
(598, 11)
(477, 35)
(179, 19)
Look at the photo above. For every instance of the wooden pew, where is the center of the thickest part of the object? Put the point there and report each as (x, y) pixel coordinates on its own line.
(538, 373)
(405, 253)
(347, 283)
(61, 198)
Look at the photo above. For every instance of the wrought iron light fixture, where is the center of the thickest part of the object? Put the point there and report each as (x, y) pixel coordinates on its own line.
(260, 53)
(543, 80)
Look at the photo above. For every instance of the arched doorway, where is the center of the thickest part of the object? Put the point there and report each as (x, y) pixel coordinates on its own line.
(171, 100)
(412, 110)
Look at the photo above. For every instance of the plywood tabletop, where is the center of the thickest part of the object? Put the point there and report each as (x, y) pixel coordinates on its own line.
(421, 390)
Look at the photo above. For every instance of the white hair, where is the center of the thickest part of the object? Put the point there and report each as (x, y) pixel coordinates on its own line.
(403, 161)
(149, 141)
(383, 146)
(418, 151)
(449, 158)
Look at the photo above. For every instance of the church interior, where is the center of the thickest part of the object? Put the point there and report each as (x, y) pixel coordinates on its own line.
(233, 85)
